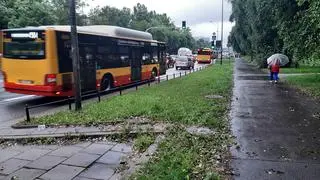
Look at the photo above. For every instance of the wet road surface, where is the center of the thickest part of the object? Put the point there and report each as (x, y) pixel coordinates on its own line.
(277, 130)
(12, 105)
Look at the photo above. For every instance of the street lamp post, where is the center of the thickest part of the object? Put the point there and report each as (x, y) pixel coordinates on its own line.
(75, 56)
(221, 32)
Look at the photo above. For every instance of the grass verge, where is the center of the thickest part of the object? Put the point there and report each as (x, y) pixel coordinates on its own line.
(185, 156)
(179, 100)
(300, 70)
(309, 84)
(182, 102)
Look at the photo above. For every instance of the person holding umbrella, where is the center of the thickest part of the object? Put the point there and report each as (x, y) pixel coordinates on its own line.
(274, 71)
(274, 63)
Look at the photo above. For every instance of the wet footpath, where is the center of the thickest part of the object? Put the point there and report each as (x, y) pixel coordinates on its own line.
(277, 130)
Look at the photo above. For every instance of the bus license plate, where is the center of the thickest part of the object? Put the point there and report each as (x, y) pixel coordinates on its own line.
(25, 82)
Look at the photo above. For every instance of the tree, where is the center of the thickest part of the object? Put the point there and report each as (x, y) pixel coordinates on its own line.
(110, 16)
(264, 27)
(60, 9)
(30, 13)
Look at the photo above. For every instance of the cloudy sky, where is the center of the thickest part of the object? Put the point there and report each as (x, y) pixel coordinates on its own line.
(202, 16)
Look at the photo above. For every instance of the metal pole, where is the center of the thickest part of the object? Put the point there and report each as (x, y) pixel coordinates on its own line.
(158, 79)
(69, 103)
(136, 87)
(167, 77)
(185, 73)
(174, 76)
(180, 74)
(221, 33)
(148, 82)
(75, 56)
(120, 91)
(99, 98)
(27, 113)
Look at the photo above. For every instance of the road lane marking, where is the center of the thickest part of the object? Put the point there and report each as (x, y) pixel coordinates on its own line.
(17, 98)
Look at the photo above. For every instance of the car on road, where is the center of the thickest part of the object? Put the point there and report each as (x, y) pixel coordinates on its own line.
(184, 62)
(170, 62)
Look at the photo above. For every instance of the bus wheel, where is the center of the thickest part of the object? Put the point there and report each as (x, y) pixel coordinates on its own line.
(106, 83)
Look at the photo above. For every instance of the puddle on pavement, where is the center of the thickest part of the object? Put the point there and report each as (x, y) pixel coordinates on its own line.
(253, 77)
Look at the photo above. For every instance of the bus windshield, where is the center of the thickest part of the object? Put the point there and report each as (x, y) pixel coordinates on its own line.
(24, 50)
(204, 52)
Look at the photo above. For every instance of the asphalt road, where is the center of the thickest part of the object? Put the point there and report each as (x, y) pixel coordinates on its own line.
(12, 105)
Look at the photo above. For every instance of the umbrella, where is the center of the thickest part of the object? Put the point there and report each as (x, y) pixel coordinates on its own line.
(283, 59)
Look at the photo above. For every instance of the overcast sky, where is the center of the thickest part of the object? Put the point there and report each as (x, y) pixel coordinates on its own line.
(202, 16)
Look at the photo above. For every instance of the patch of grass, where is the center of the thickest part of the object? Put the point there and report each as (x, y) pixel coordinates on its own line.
(301, 69)
(179, 100)
(185, 156)
(309, 84)
(142, 142)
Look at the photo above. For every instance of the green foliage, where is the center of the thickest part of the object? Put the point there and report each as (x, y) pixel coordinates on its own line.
(185, 156)
(16, 14)
(309, 84)
(265, 27)
(142, 142)
(30, 13)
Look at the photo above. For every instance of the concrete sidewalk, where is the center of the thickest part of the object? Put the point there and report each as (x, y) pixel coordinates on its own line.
(277, 129)
(87, 160)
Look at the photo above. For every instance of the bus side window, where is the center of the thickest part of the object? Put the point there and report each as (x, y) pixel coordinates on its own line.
(124, 56)
(154, 55)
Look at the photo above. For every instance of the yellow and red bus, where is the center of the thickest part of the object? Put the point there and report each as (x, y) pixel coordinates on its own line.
(37, 60)
(204, 55)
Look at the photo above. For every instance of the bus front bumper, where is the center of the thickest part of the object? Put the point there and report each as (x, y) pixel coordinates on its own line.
(39, 90)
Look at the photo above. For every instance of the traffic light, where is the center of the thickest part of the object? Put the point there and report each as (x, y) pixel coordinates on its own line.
(218, 44)
(184, 24)
(212, 43)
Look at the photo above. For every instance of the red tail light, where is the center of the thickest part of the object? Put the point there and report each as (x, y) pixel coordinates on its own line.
(4, 76)
(51, 79)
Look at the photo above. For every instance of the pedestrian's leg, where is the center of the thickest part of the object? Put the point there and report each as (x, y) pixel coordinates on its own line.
(276, 76)
(271, 76)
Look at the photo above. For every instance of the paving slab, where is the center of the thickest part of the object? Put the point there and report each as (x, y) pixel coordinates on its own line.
(83, 144)
(25, 174)
(82, 178)
(62, 172)
(98, 171)
(111, 157)
(97, 148)
(12, 165)
(33, 154)
(44, 131)
(65, 151)
(81, 159)
(125, 148)
(6, 154)
(46, 162)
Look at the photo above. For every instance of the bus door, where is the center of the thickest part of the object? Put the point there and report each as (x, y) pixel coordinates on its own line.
(136, 58)
(87, 67)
